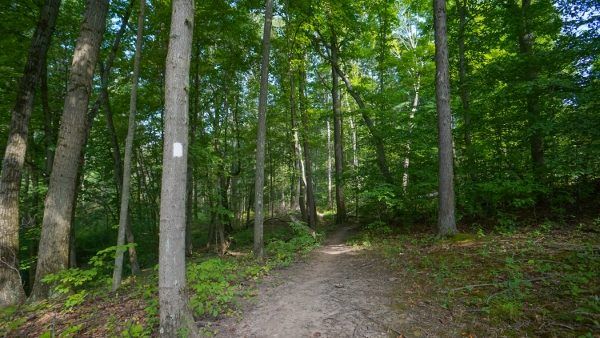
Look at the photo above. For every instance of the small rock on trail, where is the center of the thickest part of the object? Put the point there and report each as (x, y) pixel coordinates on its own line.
(339, 291)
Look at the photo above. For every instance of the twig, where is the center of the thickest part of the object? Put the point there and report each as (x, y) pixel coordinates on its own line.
(472, 286)
(562, 325)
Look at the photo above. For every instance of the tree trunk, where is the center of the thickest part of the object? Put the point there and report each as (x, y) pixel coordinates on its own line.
(175, 315)
(446, 220)
(411, 117)
(329, 168)
(56, 226)
(463, 68)
(536, 138)
(262, 133)
(300, 160)
(125, 187)
(311, 208)
(375, 137)
(49, 130)
(11, 288)
(135, 268)
(355, 164)
(340, 216)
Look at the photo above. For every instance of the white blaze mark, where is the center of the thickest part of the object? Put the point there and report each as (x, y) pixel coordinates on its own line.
(177, 149)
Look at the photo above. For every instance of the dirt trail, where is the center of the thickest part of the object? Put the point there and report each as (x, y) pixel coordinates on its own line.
(337, 291)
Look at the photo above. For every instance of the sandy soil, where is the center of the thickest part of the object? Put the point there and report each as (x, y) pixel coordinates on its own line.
(337, 291)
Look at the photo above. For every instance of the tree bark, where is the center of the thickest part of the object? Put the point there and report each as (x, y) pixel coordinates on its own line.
(299, 159)
(49, 130)
(329, 168)
(311, 208)
(536, 138)
(446, 220)
(125, 187)
(411, 117)
(175, 315)
(262, 133)
(11, 288)
(56, 224)
(463, 68)
(340, 202)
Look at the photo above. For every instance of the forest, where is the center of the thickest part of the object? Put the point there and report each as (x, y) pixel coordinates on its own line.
(300, 168)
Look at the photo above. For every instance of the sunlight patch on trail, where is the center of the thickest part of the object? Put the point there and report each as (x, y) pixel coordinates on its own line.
(338, 249)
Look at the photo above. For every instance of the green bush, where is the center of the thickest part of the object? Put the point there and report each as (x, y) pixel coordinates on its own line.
(76, 282)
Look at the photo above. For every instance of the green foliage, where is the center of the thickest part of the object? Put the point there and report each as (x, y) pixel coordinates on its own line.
(75, 282)
(282, 253)
(212, 284)
(71, 331)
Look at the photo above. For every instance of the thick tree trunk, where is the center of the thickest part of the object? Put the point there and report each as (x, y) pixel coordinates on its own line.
(446, 220)
(340, 202)
(175, 315)
(262, 133)
(56, 226)
(125, 187)
(11, 288)
(311, 208)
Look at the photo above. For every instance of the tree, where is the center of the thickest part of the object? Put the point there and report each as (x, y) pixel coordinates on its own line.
(175, 316)
(340, 216)
(526, 43)
(125, 187)
(446, 219)
(11, 289)
(262, 133)
(53, 253)
(311, 206)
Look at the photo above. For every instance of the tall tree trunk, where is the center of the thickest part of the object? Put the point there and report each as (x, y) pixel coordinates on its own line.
(446, 220)
(311, 208)
(355, 164)
(536, 138)
(11, 288)
(125, 187)
(340, 216)
(118, 175)
(463, 68)
(262, 133)
(175, 314)
(411, 117)
(329, 168)
(299, 159)
(49, 131)
(56, 226)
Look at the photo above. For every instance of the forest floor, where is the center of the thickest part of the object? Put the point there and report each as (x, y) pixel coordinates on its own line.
(376, 281)
(537, 281)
